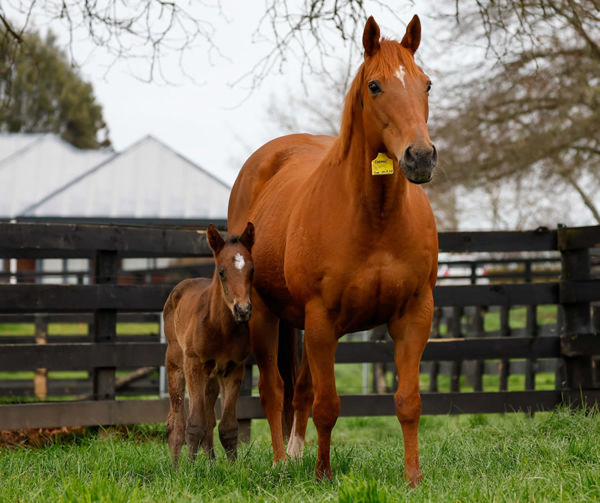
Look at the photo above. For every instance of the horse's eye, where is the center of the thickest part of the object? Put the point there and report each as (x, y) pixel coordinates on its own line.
(428, 86)
(222, 273)
(374, 87)
(251, 272)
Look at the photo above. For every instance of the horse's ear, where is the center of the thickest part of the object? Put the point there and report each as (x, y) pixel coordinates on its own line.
(412, 37)
(371, 37)
(215, 241)
(247, 237)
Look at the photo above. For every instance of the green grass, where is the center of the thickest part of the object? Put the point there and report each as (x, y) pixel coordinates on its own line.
(349, 380)
(546, 315)
(16, 329)
(494, 458)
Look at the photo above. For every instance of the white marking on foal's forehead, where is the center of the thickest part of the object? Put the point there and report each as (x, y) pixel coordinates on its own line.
(239, 262)
(400, 75)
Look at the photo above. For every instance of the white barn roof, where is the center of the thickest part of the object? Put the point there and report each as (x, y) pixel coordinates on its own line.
(33, 165)
(147, 180)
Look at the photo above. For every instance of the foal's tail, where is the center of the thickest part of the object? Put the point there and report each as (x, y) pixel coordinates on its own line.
(287, 362)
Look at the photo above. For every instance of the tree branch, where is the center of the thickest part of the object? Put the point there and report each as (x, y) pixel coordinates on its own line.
(10, 30)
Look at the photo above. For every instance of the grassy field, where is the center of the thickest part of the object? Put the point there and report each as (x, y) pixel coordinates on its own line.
(494, 458)
(480, 458)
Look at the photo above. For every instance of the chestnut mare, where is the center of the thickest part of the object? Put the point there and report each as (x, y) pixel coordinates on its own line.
(345, 243)
(208, 342)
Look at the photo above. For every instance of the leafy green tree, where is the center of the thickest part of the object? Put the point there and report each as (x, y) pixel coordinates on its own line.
(40, 92)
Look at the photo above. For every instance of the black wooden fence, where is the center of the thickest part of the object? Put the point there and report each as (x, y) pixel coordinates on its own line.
(572, 348)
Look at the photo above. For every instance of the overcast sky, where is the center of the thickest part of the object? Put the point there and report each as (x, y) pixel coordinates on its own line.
(213, 122)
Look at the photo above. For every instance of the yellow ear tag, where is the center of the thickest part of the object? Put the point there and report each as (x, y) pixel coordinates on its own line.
(382, 165)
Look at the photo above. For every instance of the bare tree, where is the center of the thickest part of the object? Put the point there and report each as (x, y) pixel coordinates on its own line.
(535, 116)
(316, 113)
(142, 29)
(149, 30)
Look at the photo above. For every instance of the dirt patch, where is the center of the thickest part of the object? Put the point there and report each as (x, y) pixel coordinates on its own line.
(38, 437)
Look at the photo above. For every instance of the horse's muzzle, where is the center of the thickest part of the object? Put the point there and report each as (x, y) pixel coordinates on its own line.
(418, 163)
(242, 312)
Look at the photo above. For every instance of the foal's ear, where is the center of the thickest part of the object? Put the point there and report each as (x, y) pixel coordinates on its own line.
(412, 37)
(247, 237)
(215, 240)
(371, 37)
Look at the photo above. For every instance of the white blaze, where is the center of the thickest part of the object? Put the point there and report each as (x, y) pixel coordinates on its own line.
(400, 74)
(239, 262)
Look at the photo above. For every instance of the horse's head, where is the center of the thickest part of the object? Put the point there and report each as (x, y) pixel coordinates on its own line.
(393, 93)
(235, 267)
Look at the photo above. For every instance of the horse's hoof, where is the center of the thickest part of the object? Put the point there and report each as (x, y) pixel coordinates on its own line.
(323, 473)
(278, 462)
(413, 479)
(295, 447)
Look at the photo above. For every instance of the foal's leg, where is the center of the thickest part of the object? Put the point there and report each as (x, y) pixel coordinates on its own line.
(210, 397)
(303, 400)
(228, 426)
(176, 417)
(320, 342)
(264, 341)
(197, 427)
(410, 333)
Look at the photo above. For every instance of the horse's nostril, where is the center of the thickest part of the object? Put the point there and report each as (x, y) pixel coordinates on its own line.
(420, 158)
(409, 158)
(419, 162)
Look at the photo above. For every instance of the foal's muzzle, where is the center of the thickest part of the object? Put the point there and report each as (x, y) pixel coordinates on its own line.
(418, 163)
(242, 312)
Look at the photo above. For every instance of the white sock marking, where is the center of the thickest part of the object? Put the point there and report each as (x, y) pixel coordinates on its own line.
(239, 261)
(295, 447)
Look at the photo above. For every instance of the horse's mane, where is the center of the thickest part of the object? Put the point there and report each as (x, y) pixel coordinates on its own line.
(382, 66)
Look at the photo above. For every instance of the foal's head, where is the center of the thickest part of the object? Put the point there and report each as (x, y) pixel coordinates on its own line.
(393, 94)
(235, 268)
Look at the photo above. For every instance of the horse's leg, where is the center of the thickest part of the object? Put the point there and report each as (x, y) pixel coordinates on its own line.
(176, 417)
(228, 426)
(210, 397)
(410, 333)
(264, 335)
(320, 343)
(197, 429)
(303, 400)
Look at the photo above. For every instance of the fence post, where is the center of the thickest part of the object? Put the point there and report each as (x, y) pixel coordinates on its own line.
(504, 363)
(479, 331)
(105, 325)
(435, 365)
(577, 319)
(531, 330)
(40, 379)
(455, 330)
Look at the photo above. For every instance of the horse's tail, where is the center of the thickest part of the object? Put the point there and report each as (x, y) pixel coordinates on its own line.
(287, 362)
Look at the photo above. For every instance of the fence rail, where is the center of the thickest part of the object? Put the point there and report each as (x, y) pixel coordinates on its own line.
(572, 347)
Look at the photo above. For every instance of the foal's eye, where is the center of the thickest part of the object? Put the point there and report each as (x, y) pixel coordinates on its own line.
(222, 273)
(374, 87)
(428, 86)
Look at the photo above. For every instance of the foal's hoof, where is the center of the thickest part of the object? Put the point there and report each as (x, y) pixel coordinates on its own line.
(231, 455)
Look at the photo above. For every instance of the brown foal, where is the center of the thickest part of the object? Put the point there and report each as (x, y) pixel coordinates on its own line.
(206, 326)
